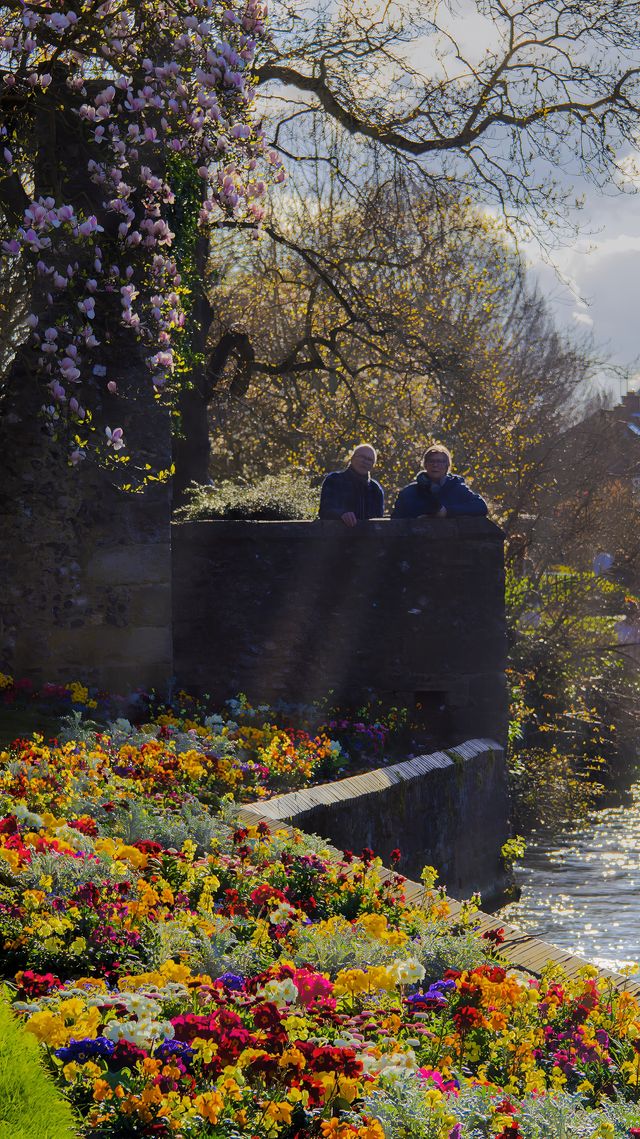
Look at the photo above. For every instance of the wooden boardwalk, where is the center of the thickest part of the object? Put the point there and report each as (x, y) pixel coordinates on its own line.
(520, 949)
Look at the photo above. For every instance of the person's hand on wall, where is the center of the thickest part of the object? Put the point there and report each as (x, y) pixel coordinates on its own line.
(349, 518)
(442, 512)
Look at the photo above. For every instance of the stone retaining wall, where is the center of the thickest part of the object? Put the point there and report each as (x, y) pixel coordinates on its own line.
(449, 810)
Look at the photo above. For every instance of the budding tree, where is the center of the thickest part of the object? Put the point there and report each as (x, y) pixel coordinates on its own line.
(510, 99)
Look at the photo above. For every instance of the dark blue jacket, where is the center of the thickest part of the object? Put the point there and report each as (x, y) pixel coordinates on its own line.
(343, 491)
(419, 498)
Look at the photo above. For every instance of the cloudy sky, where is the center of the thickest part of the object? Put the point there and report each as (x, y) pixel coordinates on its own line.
(594, 283)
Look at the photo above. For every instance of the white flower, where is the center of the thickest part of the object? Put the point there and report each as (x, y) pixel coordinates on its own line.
(407, 971)
(282, 992)
(281, 913)
(397, 1065)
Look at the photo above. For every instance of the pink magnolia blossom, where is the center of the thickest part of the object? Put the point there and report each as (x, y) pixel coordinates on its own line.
(114, 437)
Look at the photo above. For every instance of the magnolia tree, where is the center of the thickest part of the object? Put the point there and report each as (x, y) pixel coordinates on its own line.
(125, 130)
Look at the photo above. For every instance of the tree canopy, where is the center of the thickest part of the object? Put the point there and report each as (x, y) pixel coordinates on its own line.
(129, 129)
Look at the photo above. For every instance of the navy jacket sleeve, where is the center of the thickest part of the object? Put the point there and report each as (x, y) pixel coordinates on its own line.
(332, 503)
(401, 507)
(461, 501)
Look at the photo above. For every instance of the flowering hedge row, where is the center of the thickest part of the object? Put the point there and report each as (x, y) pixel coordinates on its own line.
(189, 979)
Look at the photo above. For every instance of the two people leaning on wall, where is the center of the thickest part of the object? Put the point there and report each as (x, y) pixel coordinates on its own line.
(353, 496)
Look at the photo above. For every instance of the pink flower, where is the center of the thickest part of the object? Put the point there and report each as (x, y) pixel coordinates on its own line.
(114, 438)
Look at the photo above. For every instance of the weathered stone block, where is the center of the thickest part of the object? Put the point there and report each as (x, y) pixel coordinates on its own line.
(134, 563)
(150, 604)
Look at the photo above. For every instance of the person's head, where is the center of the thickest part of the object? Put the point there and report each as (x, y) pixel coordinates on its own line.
(363, 459)
(437, 461)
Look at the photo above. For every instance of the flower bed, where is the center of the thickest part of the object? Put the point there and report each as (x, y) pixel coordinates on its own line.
(248, 752)
(188, 979)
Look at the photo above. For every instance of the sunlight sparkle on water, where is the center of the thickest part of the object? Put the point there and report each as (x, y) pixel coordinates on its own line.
(581, 890)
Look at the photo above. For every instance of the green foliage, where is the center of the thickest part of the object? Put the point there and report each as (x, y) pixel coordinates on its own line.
(30, 1105)
(573, 691)
(513, 849)
(399, 1107)
(272, 498)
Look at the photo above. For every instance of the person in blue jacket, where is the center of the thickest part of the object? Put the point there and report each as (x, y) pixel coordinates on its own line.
(351, 495)
(436, 493)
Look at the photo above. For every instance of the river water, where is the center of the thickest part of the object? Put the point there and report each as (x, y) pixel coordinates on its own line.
(581, 888)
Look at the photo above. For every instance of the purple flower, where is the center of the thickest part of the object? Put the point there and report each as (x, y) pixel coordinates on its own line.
(174, 1049)
(87, 1049)
(232, 981)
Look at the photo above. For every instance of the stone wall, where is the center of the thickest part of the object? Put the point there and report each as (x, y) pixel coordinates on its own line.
(448, 810)
(411, 612)
(86, 573)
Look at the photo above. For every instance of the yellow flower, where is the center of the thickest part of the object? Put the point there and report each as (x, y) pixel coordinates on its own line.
(231, 1088)
(101, 1091)
(605, 1130)
(206, 1049)
(79, 694)
(209, 1105)
(371, 1130)
(292, 1058)
(279, 1112)
(558, 1078)
(348, 1088)
(10, 856)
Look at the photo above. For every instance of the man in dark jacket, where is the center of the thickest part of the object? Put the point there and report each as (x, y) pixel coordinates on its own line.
(352, 495)
(437, 494)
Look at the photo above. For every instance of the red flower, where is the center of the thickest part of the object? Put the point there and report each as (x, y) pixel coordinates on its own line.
(264, 893)
(266, 1016)
(395, 855)
(466, 1018)
(147, 846)
(325, 1058)
(85, 825)
(494, 935)
(37, 984)
(125, 1055)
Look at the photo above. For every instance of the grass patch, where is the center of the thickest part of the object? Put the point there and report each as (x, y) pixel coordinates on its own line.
(30, 1105)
